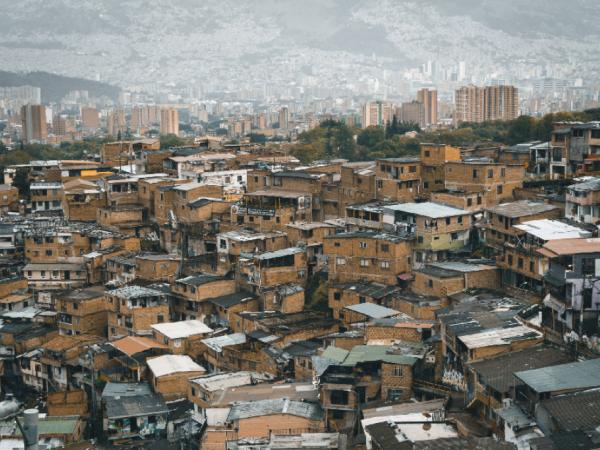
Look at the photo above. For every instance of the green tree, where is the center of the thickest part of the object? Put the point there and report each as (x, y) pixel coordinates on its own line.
(257, 138)
(170, 140)
(21, 182)
(316, 294)
(370, 137)
(522, 129)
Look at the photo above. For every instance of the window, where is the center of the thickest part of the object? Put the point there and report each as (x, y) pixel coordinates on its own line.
(364, 262)
(499, 189)
(336, 244)
(588, 266)
(395, 394)
(420, 239)
(520, 263)
(448, 220)
(361, 299)
(490, 173)
(503, 172)
(459, 219)
(531, 266)
(339, 397)
(412, 169)
(222, 243)
(48, 252)
(427, 153)
(337, 414)
(587, 298)
(510, 260)
(430, 284)
(474, 173)
(397, 371)
(426, 185)
(160, 318)
(478, 200)
(337, 295)
(469, 203)
(379, 184)
(340, 261)
(385, 247)
(454, 236)
(385, 264)
(363, 245)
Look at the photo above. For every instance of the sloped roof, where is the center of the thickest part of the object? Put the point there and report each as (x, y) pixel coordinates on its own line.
(170, 364)
(428, 209)
(370, 353)
(571, 246)
(132, 345)
(311, 411)
(498, 372)
(182, 329)
(571, 412)
(372, 310)
(577, 375)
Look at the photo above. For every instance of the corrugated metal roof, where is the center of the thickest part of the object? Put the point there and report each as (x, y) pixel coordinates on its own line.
(578, 375)
(428, 209)
(198, 279)
(570, 247)
(169, 364)
(131, 345)
(547, 230)
(373, 310)
(461, 266)
(311, 411)
(279, 253)
(217, 343)
(182, 329)
(498, 372)
(373, 290)
(133, 291)
(579, 411)
(371, 353)
(336, 354)
(521, 208)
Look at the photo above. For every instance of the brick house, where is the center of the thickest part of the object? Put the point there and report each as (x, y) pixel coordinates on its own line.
(169, 375)
(367, 256)
(82, 312)
(133, 309)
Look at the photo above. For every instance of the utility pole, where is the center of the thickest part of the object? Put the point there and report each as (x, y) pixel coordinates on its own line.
(90, 361)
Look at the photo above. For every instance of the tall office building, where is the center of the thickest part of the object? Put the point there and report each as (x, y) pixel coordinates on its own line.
(412, 112)
(429, 98)
(89, 118)
(59, 126)
(376, 114)
(284, 118)
(169, 121)
(33, 119)
(138, 118)
(480, 104)
(115, 122)
(501, 102)
(462, 71)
